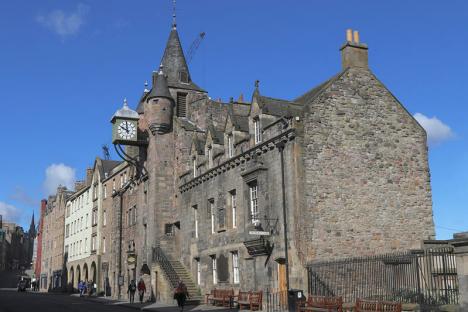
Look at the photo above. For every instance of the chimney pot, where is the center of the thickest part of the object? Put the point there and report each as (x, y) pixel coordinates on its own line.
(356, 36)
(349, 35)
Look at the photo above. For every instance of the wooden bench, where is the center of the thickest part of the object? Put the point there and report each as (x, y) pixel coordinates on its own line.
(377, 306)
(221, 297)
(322, 303)
(253, 300)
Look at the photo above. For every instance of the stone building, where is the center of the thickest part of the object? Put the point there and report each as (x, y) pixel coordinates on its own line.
(53, 269)
(86, 228)
(219, 188)
(40, 231)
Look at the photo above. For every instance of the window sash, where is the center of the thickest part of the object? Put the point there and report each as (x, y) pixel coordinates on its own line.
(254, 203)
(198, 272)
(195, 215)
(258, 134)
(215, 275)
(212, 212)
(230, 146)
(235, 267)
(234, 209)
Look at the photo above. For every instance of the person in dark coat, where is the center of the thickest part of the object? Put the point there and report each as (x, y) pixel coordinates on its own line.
(181, 294)
(131, 291)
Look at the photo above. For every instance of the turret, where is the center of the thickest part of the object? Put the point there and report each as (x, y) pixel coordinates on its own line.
(159, 105)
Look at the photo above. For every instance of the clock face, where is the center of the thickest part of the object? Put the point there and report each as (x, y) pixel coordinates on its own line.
(126, 130)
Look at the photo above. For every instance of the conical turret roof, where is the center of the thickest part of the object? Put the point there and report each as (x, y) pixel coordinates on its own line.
(160, 87)
(175, 65)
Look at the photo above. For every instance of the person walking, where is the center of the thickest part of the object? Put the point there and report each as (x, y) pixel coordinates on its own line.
(131, 291)
(81, 288)
(141, 289)
(181, 294)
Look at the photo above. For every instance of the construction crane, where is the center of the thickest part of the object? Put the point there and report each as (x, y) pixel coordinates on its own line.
(105, 151)
(194, 46)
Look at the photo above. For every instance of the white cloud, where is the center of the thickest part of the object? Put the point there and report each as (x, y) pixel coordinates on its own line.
(10, 213)
(63, 23)
(59, 174)
(437, 131)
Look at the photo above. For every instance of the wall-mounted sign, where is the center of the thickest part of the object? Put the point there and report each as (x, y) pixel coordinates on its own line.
(261, 233)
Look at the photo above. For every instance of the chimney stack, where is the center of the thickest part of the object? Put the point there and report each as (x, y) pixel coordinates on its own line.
(354, 53)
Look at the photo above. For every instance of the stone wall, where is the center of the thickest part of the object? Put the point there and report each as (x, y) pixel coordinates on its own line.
(367, 182)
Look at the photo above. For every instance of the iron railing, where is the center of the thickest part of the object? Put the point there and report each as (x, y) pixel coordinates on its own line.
(169, 272)
(276, 300)
(427, 277)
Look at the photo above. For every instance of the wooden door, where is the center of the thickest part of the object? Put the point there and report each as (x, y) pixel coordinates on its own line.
(282, 284)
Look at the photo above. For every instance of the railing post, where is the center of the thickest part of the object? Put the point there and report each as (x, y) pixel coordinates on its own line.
(460, 244)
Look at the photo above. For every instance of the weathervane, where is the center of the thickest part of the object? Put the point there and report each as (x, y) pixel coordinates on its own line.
(174, 24)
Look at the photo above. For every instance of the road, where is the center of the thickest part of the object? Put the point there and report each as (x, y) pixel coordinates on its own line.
(11, 301)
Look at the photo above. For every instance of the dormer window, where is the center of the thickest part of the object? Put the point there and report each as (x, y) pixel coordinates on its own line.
(183, 77)
(210, 157)
(257, 131)
(230, 146)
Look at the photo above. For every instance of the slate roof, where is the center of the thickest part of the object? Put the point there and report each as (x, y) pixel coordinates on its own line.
(107, 166)
(160, 88)
(240, 123)
(278, 107)
(173, 62)
(310, 95)
(217, 135)
(188, 125)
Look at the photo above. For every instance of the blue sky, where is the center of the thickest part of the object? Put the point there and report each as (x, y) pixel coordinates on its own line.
(65, 67)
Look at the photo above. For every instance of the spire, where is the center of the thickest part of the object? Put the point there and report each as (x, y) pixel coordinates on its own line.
(160, 88)
(175, 64)
(32, 227)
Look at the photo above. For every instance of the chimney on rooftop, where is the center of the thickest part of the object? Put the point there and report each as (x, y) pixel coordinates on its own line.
(353, 53)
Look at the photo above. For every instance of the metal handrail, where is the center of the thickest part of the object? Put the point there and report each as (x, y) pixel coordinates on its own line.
(171, 274)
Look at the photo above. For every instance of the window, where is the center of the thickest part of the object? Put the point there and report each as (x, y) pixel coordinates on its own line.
(95, 217)
(230, 146)
(93, 243)
(134, 211)
(87, 196)
(197, 260)
(79, 247)
(183, 77)
(212, 214)
(235, 267)
(213, 267)
(95, 191)
(253, 189)
(67, 230)
(234, 208)
(113, 185)
(258, 133)
(104, 218)
(194, 165)
(210, 157)
(86, 245)
(104, 189)
(145, 191)
(121, 180)
(181, 104)
(66, 249)
(195, 217)
(103, 245)
(86, 221)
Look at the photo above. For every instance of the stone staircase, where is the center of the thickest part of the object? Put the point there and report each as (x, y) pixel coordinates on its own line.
(186, 277)
(175, 270)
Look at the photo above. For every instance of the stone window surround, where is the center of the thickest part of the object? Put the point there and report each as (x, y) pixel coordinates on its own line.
(236, 161)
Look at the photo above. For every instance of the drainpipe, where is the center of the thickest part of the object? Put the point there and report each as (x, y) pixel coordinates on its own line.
(120, 243)
(280, 146)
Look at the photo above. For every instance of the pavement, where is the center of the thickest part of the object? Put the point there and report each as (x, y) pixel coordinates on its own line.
(11, 300)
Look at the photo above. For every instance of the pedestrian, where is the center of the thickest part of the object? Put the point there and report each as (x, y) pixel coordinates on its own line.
(80, 288)
(180, 294)
(90, 288)
(131, 291)
(141, 289)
